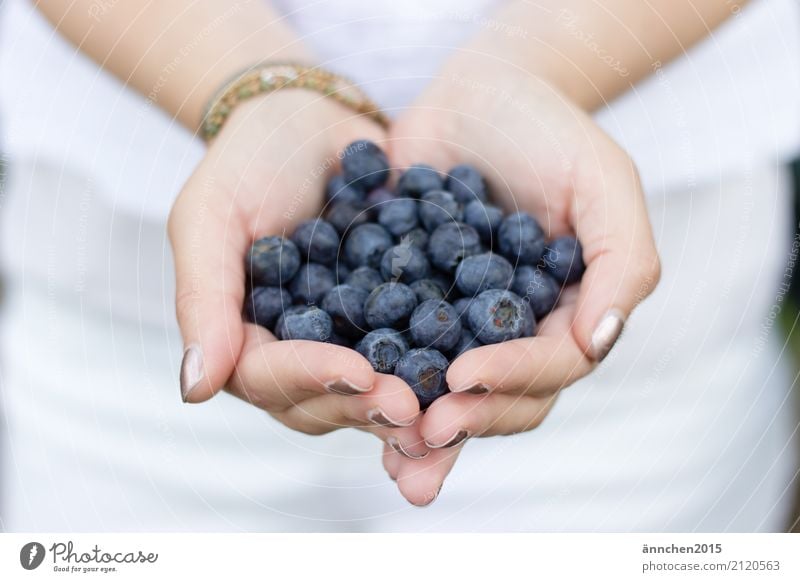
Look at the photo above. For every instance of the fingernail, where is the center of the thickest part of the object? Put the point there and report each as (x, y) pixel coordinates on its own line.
(479, 388)
(606, 334)
(398, 448)
(378, 416)
(460, 436)
(191, 370)
(345, 387)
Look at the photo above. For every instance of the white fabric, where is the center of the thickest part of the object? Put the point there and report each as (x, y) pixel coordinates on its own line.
(686, 427)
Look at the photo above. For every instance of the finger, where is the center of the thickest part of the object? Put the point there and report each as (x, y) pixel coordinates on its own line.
(454, 418)
(275, 375)
(420, 481)
(622, 264)
(391, 461)
(389, 396)
(208, 243)
(537, 366)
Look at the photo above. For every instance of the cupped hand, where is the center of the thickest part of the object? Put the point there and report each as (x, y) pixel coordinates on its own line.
(264, 173)
(542, 154)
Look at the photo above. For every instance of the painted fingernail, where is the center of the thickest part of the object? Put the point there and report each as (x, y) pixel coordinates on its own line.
(606, 334)
(191, 370)
(479, 388)
(345, 387)
(398, 448)
(459, 437)
(378, 416)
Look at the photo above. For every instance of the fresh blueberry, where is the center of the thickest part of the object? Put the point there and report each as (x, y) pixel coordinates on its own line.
(317, 241)
(466, 343)
(563, 260)
(399, 216)
(365, 165)
(438, 207)
(451, 243)
(345, 305)
(342, 271)
(338, 190)
(346, 215)
(378, 198)
(417, 180)
(496, 316)
(306, 322)
(272, 261)
(418, 237)
(365, 245)
(365, 278)
(521, 239)
(480, 273)
(405, 263)
(466, 184)
(383, 348)
(264, 305)
(462, 307)
(389, 305)
(528, 321)
(311, 283)
(424, 370)
(434, 324)
(484, 218)
(427, 289)
(447, 284)
(536, 287)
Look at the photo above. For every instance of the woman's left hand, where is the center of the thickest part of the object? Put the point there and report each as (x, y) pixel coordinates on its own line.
(542, 154)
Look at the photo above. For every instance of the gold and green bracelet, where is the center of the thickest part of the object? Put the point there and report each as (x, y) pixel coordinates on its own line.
(269, 77)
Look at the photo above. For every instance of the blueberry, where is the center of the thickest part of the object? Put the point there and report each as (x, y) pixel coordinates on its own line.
(484, 218)
(450, 243)
(466, 343)
(496, 316)
(466, 184)
(434, 324)
(311, 283)
(264, 305)
(424, 370)
(317, 241)
(365, 278)
(340, 340)
(345, 216)
(383, 348)
(365, 165)
(405, 263)
(521, 239)
(447, 285)
(345, 305)
(272, 261)
(438, 207)
(365, 245)
(537, 288)
(342, 271)
(462, 306)
(418, 237)
(427, 289)
(399, 216)
(378, 198)
(338, 190)
(417, 180)
(304, 323)
(563, 260)
(480, 273)
(389, 305)
(528, 321)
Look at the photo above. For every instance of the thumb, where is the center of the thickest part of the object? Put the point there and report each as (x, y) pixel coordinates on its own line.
(209, 242)
(622, 265)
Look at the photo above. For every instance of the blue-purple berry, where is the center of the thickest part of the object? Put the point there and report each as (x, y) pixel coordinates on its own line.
(365, 278)
(438, 207)
(345, 305)
(365, 245)
(485, 219)
(304, 323)
(521, 239)
(435, 324)
(317, 240)
(466, 184)
(451, 243)
(311, 284)
(389, 305)
(482, 272)
(425, 371)
(405, 263)
(399, 216)
(383, 348)
(365, 165)
(264, 305)
(563, 260)
(537, 287)
(496, 316)
(272, 261)
(417, 180)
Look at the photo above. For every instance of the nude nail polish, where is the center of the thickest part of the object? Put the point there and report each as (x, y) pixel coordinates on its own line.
(394, 442)
(345, 387)
(606, 334)
(478, 388)
(459, 437)
(378, 416)
(191, 370)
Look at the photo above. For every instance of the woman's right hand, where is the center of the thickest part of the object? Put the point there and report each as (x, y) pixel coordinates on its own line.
(264, 173)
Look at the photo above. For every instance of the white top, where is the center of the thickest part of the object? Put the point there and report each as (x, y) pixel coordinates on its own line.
(685, 427)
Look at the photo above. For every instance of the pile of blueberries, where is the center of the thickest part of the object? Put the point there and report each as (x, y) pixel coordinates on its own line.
(412, 277)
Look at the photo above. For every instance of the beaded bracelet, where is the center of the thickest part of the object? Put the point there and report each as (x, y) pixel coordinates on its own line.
(269, 77)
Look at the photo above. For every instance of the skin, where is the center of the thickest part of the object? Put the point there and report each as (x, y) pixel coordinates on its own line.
(541, 144)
